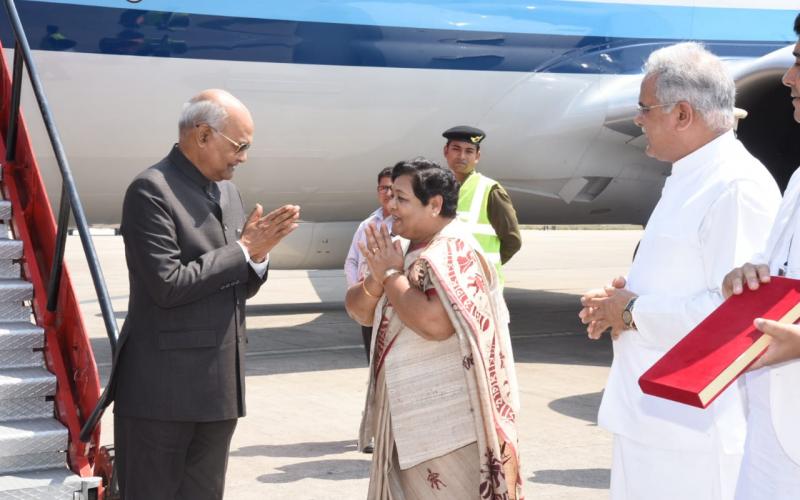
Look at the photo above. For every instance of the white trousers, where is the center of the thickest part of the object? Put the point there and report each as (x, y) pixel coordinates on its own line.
(640, 472)
(767, 472)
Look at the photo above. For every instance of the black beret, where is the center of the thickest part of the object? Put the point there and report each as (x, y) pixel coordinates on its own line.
(465, 133)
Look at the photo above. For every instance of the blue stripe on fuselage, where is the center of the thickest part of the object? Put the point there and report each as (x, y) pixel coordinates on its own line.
(543, 17)
(104, 30)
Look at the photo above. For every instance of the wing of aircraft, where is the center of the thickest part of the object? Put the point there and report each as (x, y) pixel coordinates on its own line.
(339, 90)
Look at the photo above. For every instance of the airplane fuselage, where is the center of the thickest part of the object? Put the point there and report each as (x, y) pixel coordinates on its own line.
(339, 91)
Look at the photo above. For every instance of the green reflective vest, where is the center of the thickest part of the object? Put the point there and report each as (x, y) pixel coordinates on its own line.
(473, 203)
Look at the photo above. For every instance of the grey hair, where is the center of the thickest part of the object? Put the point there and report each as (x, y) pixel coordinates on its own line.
(688, 72)
(202, 110)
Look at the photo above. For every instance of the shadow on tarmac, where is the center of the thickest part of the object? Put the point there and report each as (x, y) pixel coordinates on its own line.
(297, 450)
(566, 349)
(576, 478)
(332, 470)
(582, 406)
(542, 311)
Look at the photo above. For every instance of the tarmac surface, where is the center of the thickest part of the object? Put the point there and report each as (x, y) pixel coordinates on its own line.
(307, 372)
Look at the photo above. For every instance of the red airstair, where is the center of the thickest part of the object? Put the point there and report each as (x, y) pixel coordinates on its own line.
(49, 383)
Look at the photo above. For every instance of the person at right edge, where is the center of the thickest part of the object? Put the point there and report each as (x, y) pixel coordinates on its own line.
(771, 463)
(483, 204)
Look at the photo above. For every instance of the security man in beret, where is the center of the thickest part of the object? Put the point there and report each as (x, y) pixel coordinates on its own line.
(483, 204)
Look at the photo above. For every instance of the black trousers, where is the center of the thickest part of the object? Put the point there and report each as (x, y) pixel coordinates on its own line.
(366, 335)
(158, 460)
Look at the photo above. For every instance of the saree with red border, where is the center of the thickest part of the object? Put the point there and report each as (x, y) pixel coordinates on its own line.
(443, 414)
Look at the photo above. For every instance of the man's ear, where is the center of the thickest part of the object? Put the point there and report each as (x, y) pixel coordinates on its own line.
(685, 115)
(201, 133)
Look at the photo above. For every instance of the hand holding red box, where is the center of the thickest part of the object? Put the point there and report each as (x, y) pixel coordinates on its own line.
(710, 357)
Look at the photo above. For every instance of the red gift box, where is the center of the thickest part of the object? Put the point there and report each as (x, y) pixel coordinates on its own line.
(710, 357)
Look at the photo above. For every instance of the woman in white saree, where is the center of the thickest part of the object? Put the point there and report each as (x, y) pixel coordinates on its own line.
(442, 401)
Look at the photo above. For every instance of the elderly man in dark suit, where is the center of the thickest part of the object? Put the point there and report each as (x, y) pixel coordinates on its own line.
(193, 260)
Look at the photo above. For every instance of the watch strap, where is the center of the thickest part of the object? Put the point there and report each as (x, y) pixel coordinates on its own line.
(627, 315)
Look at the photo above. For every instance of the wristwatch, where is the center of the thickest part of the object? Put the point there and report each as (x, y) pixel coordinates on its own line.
(627, 315)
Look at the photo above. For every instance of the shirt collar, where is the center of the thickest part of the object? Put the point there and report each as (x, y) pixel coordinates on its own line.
(704, 156)
(185, 166)
(378, 214)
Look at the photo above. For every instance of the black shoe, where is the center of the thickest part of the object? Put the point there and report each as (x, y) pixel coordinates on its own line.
(368, 449)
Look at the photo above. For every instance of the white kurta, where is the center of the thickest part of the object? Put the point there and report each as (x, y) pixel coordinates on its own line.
(771, 465)
(714, 213)
(355, 265)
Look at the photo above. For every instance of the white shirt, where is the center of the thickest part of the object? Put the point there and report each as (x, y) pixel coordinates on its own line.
(783, 245)
(779, 384)
(355, 265)
(714, 213)
(259, 267)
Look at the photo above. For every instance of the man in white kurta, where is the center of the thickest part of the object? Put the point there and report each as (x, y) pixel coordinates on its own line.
(771, 465)
(355, 265)
(714, 211)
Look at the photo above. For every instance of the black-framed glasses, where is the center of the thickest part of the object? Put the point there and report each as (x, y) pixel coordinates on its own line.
(384, 189)
(240, 146)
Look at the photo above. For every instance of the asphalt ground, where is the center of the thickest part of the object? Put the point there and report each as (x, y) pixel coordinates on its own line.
(307, 372)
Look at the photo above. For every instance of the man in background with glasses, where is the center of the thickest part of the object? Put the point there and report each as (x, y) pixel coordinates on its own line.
(714, 212)
(355, 265)
(193, 258)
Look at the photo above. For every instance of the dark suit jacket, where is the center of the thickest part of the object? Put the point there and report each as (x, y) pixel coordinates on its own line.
(180, 354)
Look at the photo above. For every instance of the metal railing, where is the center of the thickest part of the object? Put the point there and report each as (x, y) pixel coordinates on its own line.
(70, 201)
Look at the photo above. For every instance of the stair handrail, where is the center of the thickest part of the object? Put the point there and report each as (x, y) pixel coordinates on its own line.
(70, 199)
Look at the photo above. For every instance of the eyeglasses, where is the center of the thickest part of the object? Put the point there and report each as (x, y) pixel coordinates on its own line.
(643, 110)
(384, 189)
(240, 146)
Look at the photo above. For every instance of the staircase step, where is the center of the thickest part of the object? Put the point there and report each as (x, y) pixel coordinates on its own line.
(10, 249)
(5, 210)
(58, 483)
(21, 358)
(15, 290)
(21, 335)
(14, 312)
(25, 408)
(33, 436)
(9, 269)
(32, 461)
(19, 383)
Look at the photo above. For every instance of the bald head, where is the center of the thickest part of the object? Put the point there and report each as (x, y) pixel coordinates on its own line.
(211, 106)
(215, 132)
